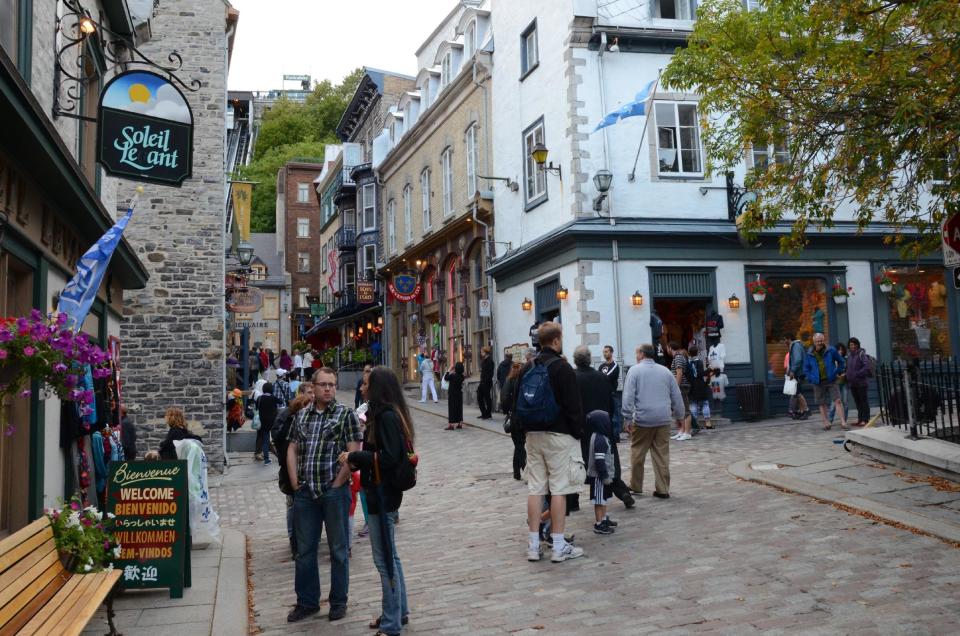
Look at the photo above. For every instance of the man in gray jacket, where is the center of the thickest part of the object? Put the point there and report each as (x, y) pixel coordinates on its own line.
(651, 403)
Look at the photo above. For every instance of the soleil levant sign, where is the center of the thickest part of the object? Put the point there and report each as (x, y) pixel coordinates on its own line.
(145, 129)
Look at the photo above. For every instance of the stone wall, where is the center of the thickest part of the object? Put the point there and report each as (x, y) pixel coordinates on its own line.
(172, 334)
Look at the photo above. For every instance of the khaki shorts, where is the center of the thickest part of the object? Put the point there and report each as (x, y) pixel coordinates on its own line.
(554, 464)
(826, 393)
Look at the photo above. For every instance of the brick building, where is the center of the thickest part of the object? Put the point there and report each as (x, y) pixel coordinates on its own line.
(298, 229)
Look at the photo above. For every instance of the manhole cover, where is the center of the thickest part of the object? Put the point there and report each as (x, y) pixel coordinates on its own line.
(765, 466)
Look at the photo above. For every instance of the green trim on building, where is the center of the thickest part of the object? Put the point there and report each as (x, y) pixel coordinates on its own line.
(25, 44)
(37, 411)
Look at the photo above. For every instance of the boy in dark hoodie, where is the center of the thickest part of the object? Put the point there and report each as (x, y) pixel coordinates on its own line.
(600, 468)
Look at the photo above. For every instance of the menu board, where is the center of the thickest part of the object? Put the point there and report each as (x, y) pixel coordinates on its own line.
(150, 501)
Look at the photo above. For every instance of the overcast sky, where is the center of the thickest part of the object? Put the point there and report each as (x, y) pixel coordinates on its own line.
(327, 39)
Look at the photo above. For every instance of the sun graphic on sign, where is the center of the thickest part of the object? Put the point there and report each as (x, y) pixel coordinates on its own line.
(139, 93)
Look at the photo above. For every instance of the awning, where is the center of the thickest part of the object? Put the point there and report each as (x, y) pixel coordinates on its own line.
(336, 318)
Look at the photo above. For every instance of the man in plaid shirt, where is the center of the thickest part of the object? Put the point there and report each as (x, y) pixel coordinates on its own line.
(321, 494)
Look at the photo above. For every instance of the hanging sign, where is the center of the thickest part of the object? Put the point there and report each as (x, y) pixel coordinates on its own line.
(145, 129)
(951, 241)
(365, 293)
(242, 196)
(404, 287)
(149, 500)
(484, 308)
(244, 301)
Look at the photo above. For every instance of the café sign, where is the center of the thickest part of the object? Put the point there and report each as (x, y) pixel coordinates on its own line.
(145, 129)
(404, 287)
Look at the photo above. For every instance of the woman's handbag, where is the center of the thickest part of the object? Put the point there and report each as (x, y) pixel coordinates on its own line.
(507, 424)
(790, 386)
(444, 384)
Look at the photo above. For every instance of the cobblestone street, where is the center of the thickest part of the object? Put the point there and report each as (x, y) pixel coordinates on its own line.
(720, 555)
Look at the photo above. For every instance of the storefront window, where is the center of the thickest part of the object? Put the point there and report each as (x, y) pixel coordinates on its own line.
(919, 322)
(796, 308)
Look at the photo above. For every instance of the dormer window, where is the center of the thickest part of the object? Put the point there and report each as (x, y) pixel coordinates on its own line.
(393, 132)
(674, 9)
(470, 40)
(446, 70)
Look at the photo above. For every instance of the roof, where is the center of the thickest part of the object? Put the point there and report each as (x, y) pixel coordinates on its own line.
(370, 87)
(265, 251)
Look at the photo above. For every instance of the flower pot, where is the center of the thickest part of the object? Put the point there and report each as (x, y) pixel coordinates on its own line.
(840, 300)
(886, 288)
(759, 297)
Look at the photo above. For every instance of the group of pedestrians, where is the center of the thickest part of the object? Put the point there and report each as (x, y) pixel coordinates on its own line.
(263, 363)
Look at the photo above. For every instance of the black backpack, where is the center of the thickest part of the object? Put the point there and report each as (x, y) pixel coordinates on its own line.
(693, 372)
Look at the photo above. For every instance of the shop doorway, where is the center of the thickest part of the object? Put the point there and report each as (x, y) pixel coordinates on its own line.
(683, 319)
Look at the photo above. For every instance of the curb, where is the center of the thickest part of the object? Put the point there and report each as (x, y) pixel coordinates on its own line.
(231, 586)
(939, 529)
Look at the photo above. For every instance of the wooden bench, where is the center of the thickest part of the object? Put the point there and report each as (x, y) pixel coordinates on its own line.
(39, 596)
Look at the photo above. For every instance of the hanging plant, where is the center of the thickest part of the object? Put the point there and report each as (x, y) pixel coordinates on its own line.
(885, 281)
(43, 348)
(840, 293)
(759, 288)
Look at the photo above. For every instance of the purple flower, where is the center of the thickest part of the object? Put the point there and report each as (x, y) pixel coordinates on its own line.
(74, 505)
(61, 319)
(29, 351)
(36, 316)
(70, 381)
(25, 393)
(87, 397)
(86, 411)
(60, 367)
(5, 335)
(76, 394)
(85, 521)
(10, 430)
(106, 545)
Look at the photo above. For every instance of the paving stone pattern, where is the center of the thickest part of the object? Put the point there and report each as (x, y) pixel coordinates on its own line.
(721, 555)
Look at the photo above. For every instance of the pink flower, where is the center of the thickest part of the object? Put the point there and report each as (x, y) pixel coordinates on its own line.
(29, 351)
(10, 430)
(74, 505)
(25, 393)
(106, 545)
(60, 367)
(3, 354)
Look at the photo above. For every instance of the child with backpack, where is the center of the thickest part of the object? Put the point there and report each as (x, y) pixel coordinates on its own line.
(699, 389)
(599, 469)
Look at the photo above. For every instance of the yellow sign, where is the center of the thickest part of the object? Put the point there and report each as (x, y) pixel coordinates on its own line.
(242, 200)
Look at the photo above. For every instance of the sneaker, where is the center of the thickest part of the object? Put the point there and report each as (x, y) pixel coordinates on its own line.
(548, 539)
(602, 528)
(568, 552)
(300, 612)
(676, 435)
(628, 501)
(684, 437)
(533, 554)
(610, 522)
(267, 462)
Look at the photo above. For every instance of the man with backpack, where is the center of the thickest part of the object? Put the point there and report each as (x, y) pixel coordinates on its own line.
(798, 408)
(548, 410)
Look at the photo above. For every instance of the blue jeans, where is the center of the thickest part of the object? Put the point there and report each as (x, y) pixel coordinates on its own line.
(395, 594)
(617, 416)
(310, 515)
(290, 535)
(266, 447)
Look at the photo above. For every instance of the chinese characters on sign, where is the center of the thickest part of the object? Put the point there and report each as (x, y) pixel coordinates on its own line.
(149, 500)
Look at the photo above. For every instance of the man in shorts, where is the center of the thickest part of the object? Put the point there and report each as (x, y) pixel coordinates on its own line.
(554, 462)
(823, 366)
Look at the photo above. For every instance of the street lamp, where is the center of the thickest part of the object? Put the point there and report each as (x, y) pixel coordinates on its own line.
(539, 154)
(527, 304)
(636, 299)
(733, 302)
(602, 181)
(245, 254)
(562, 293)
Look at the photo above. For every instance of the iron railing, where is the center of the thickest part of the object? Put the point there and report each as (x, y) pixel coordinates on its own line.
(346, 238)
(922, 396)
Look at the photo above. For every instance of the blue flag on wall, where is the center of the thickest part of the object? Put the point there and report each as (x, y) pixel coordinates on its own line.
(78, 295)
(631, 109)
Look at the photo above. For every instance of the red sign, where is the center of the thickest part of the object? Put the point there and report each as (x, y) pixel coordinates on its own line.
(951, 240)
(400, 296)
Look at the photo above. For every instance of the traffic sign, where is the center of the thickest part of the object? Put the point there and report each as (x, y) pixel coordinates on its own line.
(951, 241)
(956, 277)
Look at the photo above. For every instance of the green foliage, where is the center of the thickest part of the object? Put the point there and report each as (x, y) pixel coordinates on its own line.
(288, 130)
(85, 534)
(864, 94)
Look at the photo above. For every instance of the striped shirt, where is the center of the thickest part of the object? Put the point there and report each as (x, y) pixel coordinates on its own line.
(320, 437)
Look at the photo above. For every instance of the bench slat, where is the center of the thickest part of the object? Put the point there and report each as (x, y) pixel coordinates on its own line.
(48, 619)
(15, 572)
(30, 609)
(18, 593)
(21, 542)
(101, 588)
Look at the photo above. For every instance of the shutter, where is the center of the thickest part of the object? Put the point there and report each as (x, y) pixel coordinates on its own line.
(546, 296)
(682, 285)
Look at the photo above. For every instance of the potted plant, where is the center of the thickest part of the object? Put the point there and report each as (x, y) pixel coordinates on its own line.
(84, 537)
(759, 289)
(841, 293)
(885, 281)
(43, 348)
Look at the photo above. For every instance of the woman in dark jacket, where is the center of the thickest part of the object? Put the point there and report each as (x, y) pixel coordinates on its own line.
(388, 435)
(267, 407)
(178, 431)
(454, 379)
(508, 399)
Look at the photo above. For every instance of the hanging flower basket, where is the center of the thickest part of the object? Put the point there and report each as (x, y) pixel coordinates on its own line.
(841, 293)
(759, 297)
(885, 281)
(886, 288)
(43, 348)
(759, 288)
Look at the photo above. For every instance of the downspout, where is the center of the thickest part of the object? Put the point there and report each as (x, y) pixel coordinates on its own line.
(614, 246)
(486, 228)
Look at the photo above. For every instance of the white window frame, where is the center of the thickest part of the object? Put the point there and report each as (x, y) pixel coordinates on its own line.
(470, 39)
(446, 171)
(534, 177)
(676, 137)
(529, 49)
(446, 69)
(303, 193)
(762, 156)
(369, 202)
(392, 226)
(303, 228)
(425, 199)
(324, 255)
(302, 294)
(369, 264)
(688, 9)
(350, 276)
(752, 5)
(303, 262)
(408, 213)
(471, 143)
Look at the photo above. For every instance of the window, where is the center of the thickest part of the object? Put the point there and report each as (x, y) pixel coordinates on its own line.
(446, 164)
(369, 207)
(349, 277)
(535, 179)
(392, 226)
(446, 70)
(393, 132)
(674, 9)
(425, 196)
(919, 313)
(302, 296)
(10, 39)
(303, 228)
(678, 139)
(271, 308)
(763, 155)
(752, 5)
(796, 308)
(324, 255)
(303, 262)
(303, 193)
(350, 219)
(471, 161)
(408, 213)
(529, 50)
(470, 40)
(259, 272)
(369, 262)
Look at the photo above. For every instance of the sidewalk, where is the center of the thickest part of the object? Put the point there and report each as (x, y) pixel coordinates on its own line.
(214, 605)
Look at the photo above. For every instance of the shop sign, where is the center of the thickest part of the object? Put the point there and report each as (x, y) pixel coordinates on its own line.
(318, 310)
(244, 301)
(951, 241)
(404, 287)
(149, 500)
(365, 293)
(251, 325)
(484, 309)
(145, 129)
(517, 351)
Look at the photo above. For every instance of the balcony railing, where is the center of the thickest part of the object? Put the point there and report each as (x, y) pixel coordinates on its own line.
(346, 238)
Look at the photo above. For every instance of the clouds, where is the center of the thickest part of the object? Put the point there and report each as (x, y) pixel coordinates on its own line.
(166, 103)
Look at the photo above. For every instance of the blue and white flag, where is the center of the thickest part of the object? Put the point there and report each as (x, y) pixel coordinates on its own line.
(78, 295)
(631, 109)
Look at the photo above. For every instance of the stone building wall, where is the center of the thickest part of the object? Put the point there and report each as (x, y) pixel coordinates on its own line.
(172, 334)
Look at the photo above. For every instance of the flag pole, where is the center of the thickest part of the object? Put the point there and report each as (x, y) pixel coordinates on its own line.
(653, 95)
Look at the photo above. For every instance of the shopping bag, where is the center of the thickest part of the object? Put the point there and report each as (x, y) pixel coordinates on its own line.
(790, 386)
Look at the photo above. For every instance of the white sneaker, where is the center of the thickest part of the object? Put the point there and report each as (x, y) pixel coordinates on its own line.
(421, 401)
(684, 437)
(533, 554)
(568, 552)
(676, 436)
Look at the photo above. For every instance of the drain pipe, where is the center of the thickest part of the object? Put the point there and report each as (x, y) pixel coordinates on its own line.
(615, 245)
(486, 228)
